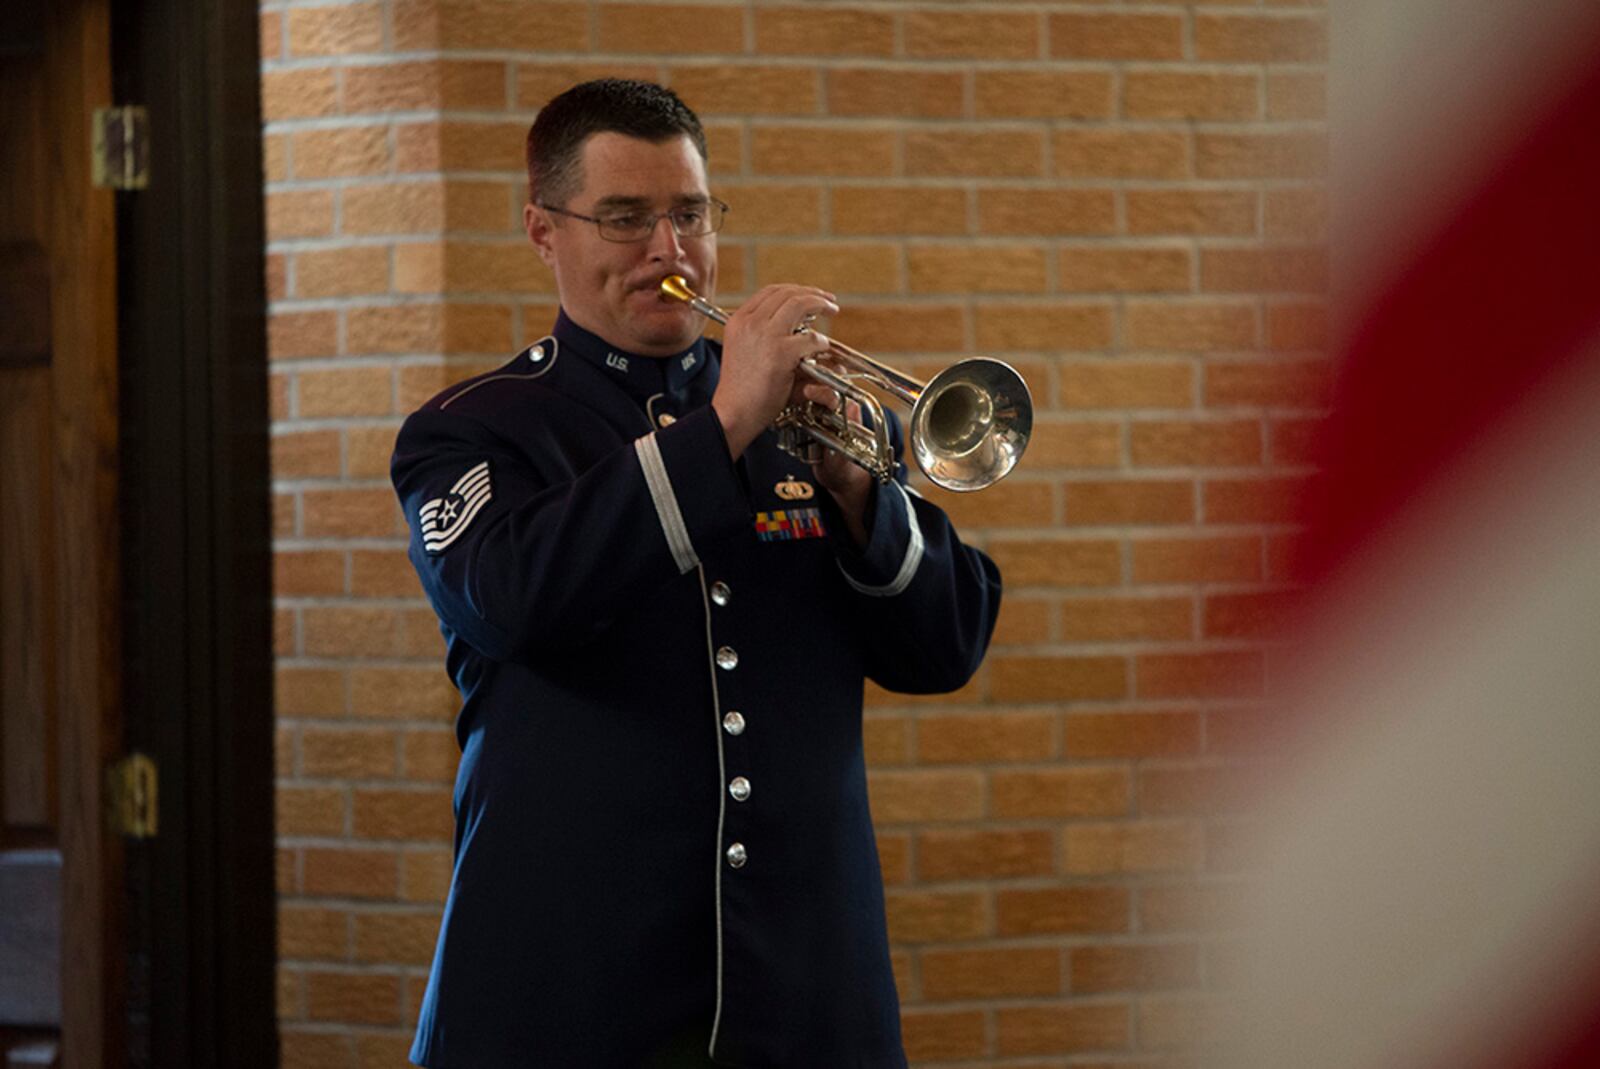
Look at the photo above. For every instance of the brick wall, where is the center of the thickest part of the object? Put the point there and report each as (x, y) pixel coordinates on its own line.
(1122, 200)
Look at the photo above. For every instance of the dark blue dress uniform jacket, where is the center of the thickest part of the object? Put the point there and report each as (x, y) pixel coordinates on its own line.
(661, 811)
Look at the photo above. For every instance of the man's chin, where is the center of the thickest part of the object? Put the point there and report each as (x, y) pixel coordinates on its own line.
(665, 330)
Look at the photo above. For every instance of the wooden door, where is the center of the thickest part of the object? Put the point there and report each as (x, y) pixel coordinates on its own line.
(60, 871)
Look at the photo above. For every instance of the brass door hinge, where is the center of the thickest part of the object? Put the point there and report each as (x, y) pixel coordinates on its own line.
(122, 147)
(132, 796)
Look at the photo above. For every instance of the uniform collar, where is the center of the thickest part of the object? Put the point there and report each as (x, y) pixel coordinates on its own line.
(642, 376)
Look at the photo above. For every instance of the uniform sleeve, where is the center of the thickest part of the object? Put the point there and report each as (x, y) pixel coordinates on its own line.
(518, 551)
(927, 601)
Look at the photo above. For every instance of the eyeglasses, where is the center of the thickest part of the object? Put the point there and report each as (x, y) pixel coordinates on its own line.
(688, 221)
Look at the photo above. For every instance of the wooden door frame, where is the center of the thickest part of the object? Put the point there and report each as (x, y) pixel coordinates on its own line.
(196, 537)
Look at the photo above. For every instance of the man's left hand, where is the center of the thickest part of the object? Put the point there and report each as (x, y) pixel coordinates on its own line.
(848, 482)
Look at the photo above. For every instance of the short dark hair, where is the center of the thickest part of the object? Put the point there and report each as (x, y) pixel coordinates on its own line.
(615, 105)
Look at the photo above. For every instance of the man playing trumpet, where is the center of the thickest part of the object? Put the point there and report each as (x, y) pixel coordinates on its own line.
(659, 625)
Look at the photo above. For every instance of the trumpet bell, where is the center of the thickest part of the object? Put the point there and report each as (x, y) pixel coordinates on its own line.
(971, 424)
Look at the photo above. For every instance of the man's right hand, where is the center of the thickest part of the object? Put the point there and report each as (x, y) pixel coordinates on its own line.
(760, 352)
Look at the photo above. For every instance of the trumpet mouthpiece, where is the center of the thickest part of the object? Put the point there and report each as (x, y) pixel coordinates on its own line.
(677, 286)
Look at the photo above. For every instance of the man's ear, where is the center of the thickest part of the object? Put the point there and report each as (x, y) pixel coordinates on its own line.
(537, 225)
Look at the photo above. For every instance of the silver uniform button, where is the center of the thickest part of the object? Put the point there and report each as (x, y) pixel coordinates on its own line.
(727, 659)
(733, 723)
(736, 856)
(720, 592)
(739, 787)
(536, 354)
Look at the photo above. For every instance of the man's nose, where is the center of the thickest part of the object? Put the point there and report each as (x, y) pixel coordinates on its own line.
(664, 239)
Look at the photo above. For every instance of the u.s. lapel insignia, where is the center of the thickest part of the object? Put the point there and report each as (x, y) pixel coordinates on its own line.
(444, 518)
(792, 489)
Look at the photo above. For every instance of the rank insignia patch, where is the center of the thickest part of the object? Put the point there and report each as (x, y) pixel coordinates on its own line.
(786, 524)
(444, 518)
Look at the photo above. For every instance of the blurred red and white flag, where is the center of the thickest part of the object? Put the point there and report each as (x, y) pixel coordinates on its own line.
(1430, 889)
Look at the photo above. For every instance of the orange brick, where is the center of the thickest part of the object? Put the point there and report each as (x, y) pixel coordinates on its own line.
(1277, 270)
(899, 210)
(1116, 619)
(306, 455)
(490, 24)
(760, 89)
(277, 396)
(349, 513)
(283, 741)
(1023, 621)
(431, 755)
(1143, 847)
(1131, 734)
(1261, 39)
(351, 391)
(911, 94)
(961, 739)
(1125, 269)
(969, 855)
(1179, 443)
(313, 1050)
(809, 150)
(725, 146)
(965, 269)
(541, 80)
(1199, 675)
(1003, 972)
(1061, 793)
(1125, 384)
(396, 938)
(986, 153)
(1189, 326)
(382, 573)
(310, 934)
(351, 873)
(1297, 326)
(303, 335)
(425, 875)
(464, 146)
(284, 642)
(934, 916)
(772, 208)
(1293, 95)
(831, 31)
(1276, 383)
(1188, 907)
(308, 692)
(1077, 444)
(340, 152)
(1063, 1028)
(347, 753)
(674, 29)
(1260, 155)
(1032, 679)
(948, 34)
(286, 870)
(428, 328)
(1158, 94)
(1057, 326)
(341, 272)
(285, 516)
(379, 1050)
(1297, 214)
(470, 267)
(271, 34)
(1196, 560)
(899, 797)
(1075, 36)
(403, 814)
(1005, 94)
(943, 1034)
(1253, 500)
(307, 574)
(1128, 501)
(1064, 910)
(298, 94)
(336, 30)
(887, 740)
(1041, 212)
(309, 811)
(467, 85)
(277, 272)
(1121, 967)
(299, 214)
(1058, 562)
(403, 693)
(857, 267)
(1017, 502)
(353, 997)
(1121, 154)
(351, 632)
(1255, 615)
(894, 857)
(918, 328)
(1179, 211)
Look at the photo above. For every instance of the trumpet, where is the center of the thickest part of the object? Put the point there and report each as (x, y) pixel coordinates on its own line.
(969, 424)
